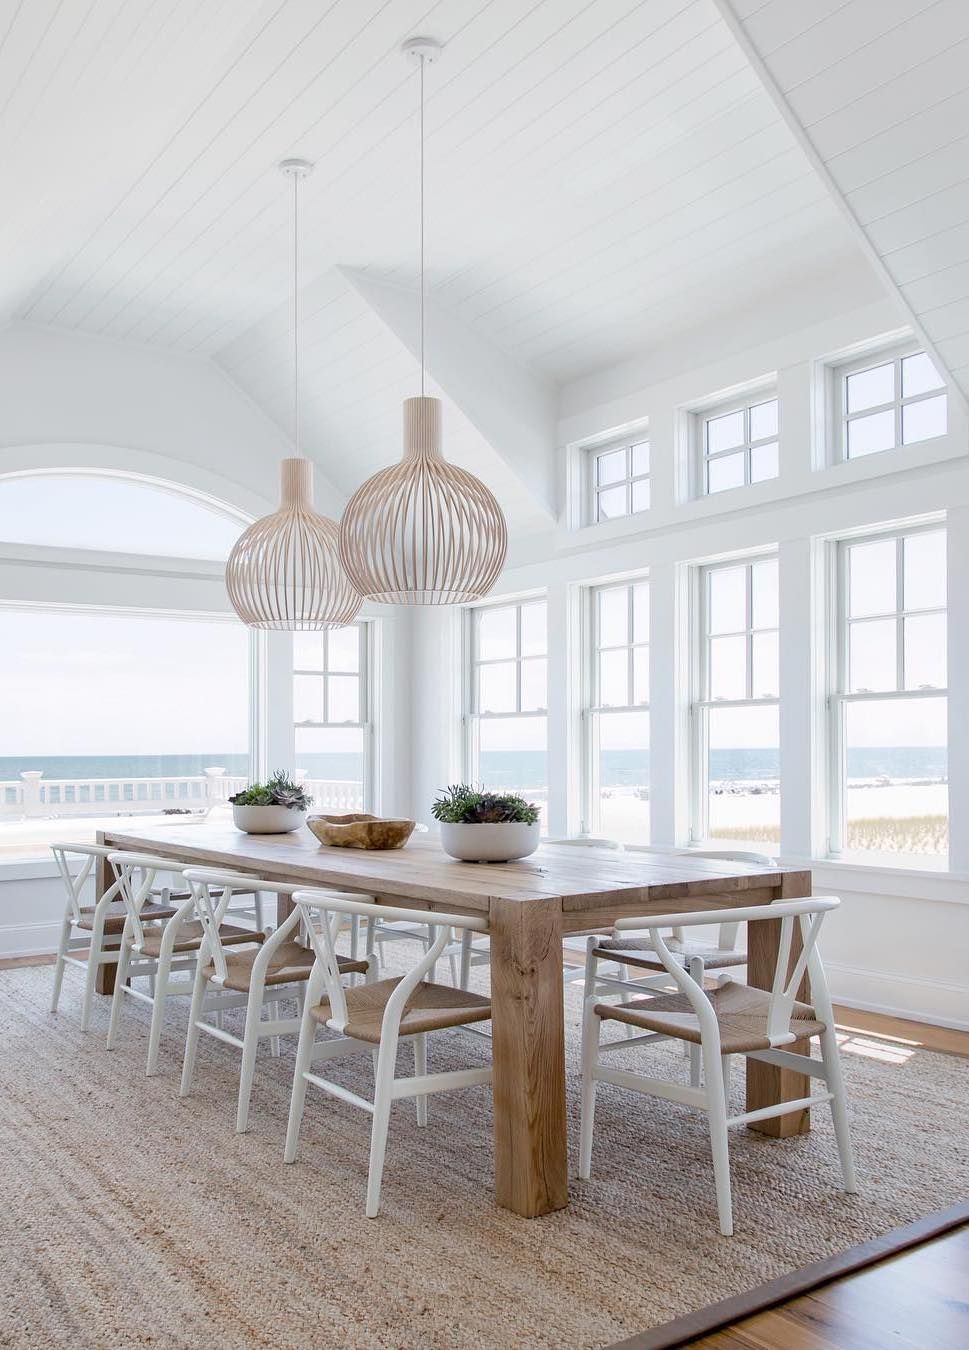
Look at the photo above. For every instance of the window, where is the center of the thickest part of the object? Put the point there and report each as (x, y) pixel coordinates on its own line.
(738, 444)
(736, 760)
(116, 715)
(888, 702)
(331, 708)
(620, 480)
(888, 400)
(111, 513)
(508, 699)
(617, 743)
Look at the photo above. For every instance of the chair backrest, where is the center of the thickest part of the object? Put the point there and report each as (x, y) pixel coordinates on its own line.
(74, 882)
(136, 873)
(331, 907)
(588, 841)
(787, 976)
(727, 933)
(212, 892)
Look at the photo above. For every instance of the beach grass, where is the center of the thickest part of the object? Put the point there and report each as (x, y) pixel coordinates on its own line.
(873, 834)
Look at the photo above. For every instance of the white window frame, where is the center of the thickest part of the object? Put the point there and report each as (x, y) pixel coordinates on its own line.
(593, 708)
(839, 418)
(473, 717)
(708, 412)
(366, 719)
(592, 489)
(700, 701)
(839, 695)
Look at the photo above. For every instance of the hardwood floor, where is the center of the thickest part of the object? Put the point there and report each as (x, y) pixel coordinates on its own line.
(918, 1300)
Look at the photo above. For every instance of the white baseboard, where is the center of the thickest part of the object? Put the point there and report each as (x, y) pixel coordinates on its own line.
(29, 939)
(900, 994)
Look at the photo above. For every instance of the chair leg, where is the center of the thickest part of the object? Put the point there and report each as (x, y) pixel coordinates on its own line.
(257, 908)
(121, 979)
(192, 1039)
(693, 1050)
(304, 1057)
(717, 1112)
(839, 1110)
(60, 963)
(274, 1042)
(161, 973)
(464, 977)
(420, 1067)
(250, 1045)
(591, 1027)
(381, 1123)
(90, 977)
(726, 1064)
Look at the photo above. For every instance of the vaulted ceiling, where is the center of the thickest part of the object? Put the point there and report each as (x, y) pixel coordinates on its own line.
(600, 174)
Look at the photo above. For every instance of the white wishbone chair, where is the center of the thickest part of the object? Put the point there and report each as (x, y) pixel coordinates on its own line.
(370, 1019)
(157, 952)
(277, 969)
(94, 929)
(732, 1019)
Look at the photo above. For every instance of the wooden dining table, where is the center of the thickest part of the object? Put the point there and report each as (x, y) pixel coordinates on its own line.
(531, 906)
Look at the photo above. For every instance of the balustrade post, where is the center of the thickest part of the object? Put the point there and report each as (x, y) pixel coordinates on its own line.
(214, 786)
(32, 804)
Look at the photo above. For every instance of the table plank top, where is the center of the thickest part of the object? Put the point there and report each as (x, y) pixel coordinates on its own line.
(584, 878)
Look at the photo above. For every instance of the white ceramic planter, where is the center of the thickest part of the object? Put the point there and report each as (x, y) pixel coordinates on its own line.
(267, 819)
(490, 843)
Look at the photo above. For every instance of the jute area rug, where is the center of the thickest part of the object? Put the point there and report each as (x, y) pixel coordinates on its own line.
(129, 1217)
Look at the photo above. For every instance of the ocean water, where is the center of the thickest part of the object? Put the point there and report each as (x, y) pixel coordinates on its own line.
(336, 766)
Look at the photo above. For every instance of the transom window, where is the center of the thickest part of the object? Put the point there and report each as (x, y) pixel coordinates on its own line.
(620, 480)
(617, 750)
(888, 701)
(739, 444)
(736, 768)
(331, 709)
(507, 699)
(887, 402)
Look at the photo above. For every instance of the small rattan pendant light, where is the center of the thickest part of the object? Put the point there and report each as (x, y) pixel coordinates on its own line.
(285, 570)
(423, 532)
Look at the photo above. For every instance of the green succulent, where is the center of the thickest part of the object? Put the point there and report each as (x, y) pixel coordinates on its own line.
(278, 791)
(464, 804)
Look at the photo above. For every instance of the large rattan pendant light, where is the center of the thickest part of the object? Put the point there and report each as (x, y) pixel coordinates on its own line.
(423, 532)
(285, 570)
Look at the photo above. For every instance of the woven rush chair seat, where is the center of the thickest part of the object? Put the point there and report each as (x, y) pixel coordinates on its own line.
(190, 934)
(740, 1009)
(116, 912)
(289, 962)
(431, 1007)
(633, 951)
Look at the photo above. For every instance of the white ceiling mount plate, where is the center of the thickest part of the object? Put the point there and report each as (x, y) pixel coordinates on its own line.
(295, 168)
(417, 47)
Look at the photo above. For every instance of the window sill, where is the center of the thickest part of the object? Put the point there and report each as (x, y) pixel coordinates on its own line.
(920, 880)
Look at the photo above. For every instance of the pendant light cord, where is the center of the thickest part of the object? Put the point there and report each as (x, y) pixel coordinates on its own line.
(422, 220)
(296, 311)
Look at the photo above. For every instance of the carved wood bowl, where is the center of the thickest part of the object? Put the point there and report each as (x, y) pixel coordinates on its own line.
(361, 831)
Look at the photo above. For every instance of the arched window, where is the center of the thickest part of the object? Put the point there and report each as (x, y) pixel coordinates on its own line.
(120, 515)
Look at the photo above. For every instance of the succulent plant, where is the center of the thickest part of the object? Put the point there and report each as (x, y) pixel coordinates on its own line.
(464, 804)
(278, 791)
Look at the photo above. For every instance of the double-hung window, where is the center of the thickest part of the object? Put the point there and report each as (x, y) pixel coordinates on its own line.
(619, 480)
(736, 769)
(508, 700)
(332, 711)
(617, 741)
(888, 697)
(888, 400)
(738, 444)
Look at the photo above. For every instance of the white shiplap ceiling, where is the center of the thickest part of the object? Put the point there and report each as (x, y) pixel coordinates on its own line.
(878, 90)
(600, 173)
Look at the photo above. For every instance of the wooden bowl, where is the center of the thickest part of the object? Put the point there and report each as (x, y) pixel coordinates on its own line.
(361, 831)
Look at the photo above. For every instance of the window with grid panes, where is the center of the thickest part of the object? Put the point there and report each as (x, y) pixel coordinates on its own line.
(736, 752)
(508, 699)
(888, 704)
(887, 401)
(739, 445)
(332, 715)
(620, 480)
(617, 749)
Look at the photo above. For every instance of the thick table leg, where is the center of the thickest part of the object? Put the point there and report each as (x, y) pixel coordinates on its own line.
(767, 1085)
(103, 879)
(528, 1053)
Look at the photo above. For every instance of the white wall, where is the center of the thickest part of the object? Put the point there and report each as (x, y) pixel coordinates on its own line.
(901, 939)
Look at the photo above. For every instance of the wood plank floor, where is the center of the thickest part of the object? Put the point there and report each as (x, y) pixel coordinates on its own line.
(918, 1300)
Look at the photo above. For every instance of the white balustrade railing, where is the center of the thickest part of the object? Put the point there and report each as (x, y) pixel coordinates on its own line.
(32, 796)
